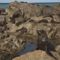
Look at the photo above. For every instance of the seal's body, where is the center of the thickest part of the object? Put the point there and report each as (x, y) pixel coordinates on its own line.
(44, 43)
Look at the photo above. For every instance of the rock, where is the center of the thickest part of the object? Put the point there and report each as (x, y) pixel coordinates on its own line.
(56, 37)
(18, 21)
(2, 18)
(37, 19)
(35, 55)
(12, 27)
(2, 11)
(49, 11)
(56, 18)
(4, 55)
(25, 8)
(9, 43)
(58, 48)
(12, 11)
(49, 19)
(20, 26)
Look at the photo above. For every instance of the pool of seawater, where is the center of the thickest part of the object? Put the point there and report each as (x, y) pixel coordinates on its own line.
(4, 5)
(28, 48)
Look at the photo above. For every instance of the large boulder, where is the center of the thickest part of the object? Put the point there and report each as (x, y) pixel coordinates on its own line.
(27, 9)
(36, 55)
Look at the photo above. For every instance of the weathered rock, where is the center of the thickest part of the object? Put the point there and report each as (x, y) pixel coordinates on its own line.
(36, 55)
(49, 19)
(20, 25)
(9, 42)
(4, 55)
(56, 34)
(58, 48)
(49, 11)
(56, 18)
(27, 9)
(37, 19)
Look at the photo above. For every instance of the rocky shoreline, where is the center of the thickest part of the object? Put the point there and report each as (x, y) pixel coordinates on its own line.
(19, 26)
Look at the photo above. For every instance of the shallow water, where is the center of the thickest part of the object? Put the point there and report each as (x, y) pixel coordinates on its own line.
(28, 48)
(4, 5)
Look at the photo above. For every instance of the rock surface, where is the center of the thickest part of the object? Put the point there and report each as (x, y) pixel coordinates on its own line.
(19, 26)
(35, 55)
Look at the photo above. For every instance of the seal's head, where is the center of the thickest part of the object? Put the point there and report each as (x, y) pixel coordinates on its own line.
(42, 35)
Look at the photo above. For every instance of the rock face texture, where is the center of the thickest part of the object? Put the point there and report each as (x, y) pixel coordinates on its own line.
(35, 55)
(20, 25)
(8, 39)
(32, 10)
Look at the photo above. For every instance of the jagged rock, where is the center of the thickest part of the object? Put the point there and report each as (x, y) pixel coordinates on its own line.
(56, 18)
(21, 23)
(27, 9)
(12, 27)
(9, 42)
(12, 11)
(48, 11)
(56, 34)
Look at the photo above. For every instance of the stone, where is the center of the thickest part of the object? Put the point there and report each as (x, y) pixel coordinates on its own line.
(58, 48)
(56, 18)
(19, 27)
(35, 55)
